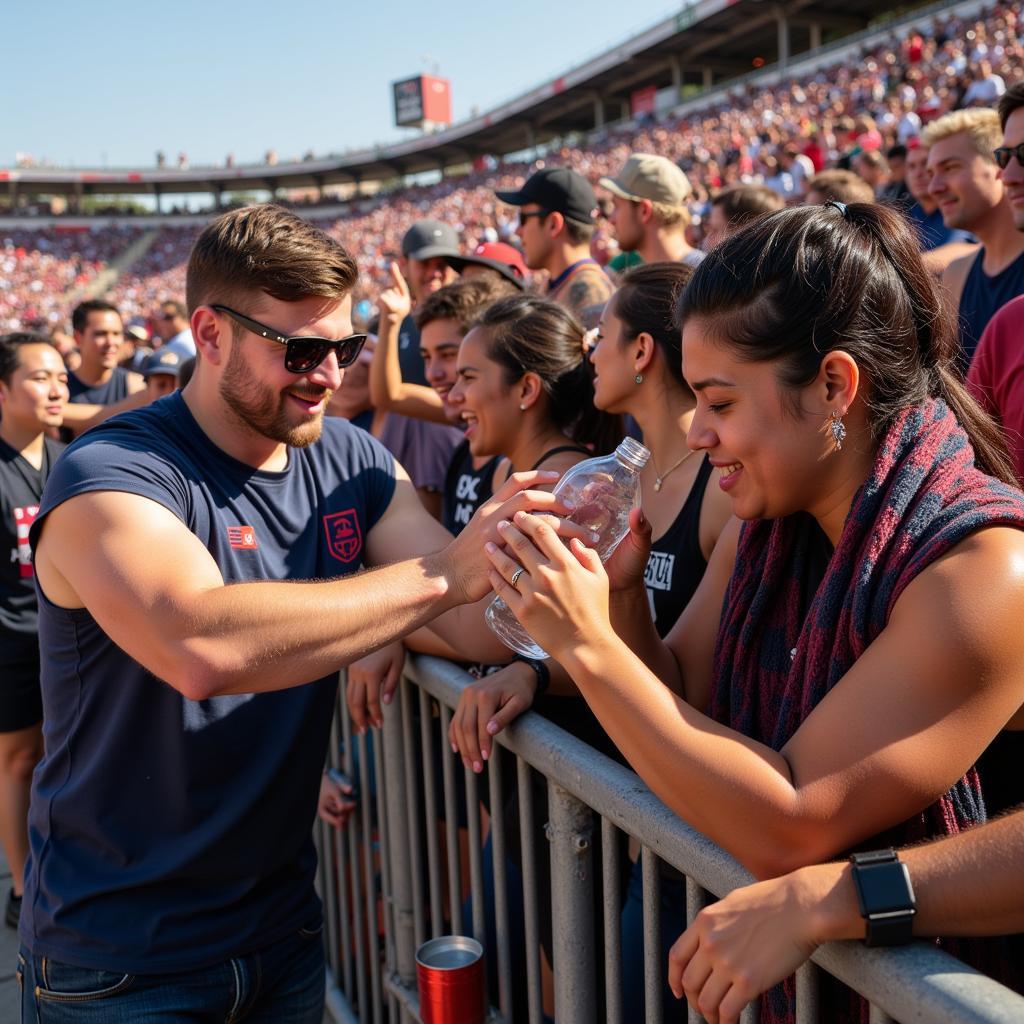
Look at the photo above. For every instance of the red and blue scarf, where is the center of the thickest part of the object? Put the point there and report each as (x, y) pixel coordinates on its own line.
(780, 651)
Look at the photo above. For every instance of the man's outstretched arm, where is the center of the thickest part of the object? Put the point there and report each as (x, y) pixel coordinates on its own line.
(156, 591)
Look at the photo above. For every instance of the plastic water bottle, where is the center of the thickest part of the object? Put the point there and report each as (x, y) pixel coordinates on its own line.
(604, 491)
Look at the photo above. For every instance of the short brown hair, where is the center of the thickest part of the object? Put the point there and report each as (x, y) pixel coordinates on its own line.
(577, 232)
(1011, 100)
(268, 249)
(463, 301)
(743, 203)
(841, 187)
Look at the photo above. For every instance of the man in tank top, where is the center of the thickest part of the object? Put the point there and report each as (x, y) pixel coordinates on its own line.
(99, 334)
(967, 185)
(188, 683)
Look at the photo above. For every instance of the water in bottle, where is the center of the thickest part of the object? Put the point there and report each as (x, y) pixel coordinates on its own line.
(604, 491)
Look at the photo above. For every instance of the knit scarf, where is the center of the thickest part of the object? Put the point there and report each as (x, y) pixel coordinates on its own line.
(774, 661)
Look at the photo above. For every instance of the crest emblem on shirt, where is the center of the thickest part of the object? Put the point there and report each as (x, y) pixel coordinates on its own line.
(344, 538)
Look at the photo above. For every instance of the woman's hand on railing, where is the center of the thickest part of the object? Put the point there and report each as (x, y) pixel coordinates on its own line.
(335, 804)
(740, 946)
(371, 682)
(486, 707)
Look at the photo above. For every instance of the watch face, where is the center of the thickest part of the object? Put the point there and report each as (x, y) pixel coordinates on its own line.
(886, 887)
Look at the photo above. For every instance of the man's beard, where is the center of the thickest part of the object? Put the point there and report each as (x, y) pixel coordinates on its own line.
(262, 409)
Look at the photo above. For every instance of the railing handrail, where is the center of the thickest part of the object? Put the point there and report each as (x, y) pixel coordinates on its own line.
(894, 979)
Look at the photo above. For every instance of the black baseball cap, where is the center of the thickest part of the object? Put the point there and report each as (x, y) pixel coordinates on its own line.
(429, 238)
(559, 190)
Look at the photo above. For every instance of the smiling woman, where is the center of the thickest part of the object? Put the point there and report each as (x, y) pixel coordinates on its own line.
(852, 669)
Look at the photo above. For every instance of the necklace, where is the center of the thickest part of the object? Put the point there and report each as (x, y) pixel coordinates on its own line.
(659, 478)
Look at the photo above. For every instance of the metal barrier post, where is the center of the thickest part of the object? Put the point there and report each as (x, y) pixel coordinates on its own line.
(395, 798)
(570, 832)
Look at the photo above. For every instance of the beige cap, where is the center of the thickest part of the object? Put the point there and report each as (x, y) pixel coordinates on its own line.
(646, 176)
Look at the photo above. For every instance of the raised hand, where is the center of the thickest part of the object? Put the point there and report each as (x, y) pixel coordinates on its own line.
(395, 301)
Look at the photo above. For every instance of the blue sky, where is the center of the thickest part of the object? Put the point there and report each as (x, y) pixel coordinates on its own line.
(109, 83)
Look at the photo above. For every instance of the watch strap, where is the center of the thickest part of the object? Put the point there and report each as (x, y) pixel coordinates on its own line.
(888, 912)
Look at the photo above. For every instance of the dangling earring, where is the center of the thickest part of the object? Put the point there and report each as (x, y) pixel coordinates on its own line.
(639, 378)
(838, 429)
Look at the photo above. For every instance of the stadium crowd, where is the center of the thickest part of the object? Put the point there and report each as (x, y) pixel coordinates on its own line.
(807, 302)
(757, 135)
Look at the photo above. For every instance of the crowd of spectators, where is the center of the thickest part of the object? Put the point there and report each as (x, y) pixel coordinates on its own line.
(848, 115)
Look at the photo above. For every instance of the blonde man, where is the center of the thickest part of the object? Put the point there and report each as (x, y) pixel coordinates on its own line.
(967, 186)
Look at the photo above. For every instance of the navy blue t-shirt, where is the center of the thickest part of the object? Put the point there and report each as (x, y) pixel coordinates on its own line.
(168, 834)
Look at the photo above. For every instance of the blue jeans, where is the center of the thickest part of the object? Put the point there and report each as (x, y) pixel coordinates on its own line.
(672, 923)
(281, 984)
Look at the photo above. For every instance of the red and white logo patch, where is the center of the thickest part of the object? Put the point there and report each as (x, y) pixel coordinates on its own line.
(23, 520)
(242, 537)
(344, 538)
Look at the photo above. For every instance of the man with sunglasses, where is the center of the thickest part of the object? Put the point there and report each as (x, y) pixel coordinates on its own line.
(966, 182)
(170, 325)
(189, 674)
(997, 371)
(557, 213)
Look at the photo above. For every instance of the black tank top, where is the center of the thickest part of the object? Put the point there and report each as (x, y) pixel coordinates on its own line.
(558, 451)
(465, 488)
(113, 391)
(981, 297)
(677, 563)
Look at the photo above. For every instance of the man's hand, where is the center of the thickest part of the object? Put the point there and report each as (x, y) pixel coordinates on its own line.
(395, 302)
(371, 682)
(334, 805)
(468, 564)
(486, 707)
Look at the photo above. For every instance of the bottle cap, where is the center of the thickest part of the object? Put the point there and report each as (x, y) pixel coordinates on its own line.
(633, 452)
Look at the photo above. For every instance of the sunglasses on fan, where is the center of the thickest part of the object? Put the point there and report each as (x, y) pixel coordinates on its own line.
(302, 353)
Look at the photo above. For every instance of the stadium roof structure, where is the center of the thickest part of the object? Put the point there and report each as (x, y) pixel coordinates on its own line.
(707, 43)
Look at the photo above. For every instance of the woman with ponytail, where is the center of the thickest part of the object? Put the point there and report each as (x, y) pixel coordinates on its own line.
(831, 686)
(525, 389)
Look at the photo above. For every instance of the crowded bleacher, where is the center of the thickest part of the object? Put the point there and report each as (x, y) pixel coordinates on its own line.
(805, 300)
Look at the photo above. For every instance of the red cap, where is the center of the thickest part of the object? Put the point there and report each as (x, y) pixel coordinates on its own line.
(506, 259)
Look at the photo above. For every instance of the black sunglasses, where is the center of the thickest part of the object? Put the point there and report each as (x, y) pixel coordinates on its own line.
(1003, 154)
(525, 216)
(303, 353)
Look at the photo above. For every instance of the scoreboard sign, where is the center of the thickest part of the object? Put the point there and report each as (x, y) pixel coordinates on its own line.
(421, 101)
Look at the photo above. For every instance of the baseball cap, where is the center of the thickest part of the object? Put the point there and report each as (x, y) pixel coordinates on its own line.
(507, 260)
(429, 238)
(559, 190)
(163, 360)
(646, 176)
(137, 333)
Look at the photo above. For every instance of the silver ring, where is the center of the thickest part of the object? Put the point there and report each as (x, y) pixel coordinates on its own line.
(515, 577)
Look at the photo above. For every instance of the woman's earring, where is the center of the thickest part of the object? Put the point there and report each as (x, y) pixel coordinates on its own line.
(639, 378)
(522, 407)
(838, 429)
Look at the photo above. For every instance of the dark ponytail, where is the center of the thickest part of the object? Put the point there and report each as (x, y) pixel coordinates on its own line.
(527, 334)
(802, 282)
(646, 302)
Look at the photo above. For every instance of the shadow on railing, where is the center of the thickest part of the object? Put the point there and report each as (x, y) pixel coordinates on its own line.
(396, 876)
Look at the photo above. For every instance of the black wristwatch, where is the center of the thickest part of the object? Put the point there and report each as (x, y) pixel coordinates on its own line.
(886, 897)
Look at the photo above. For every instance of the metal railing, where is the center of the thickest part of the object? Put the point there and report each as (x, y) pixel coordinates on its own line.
(394, 878)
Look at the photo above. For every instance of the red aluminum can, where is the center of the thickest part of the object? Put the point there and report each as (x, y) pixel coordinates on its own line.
(450, 976)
